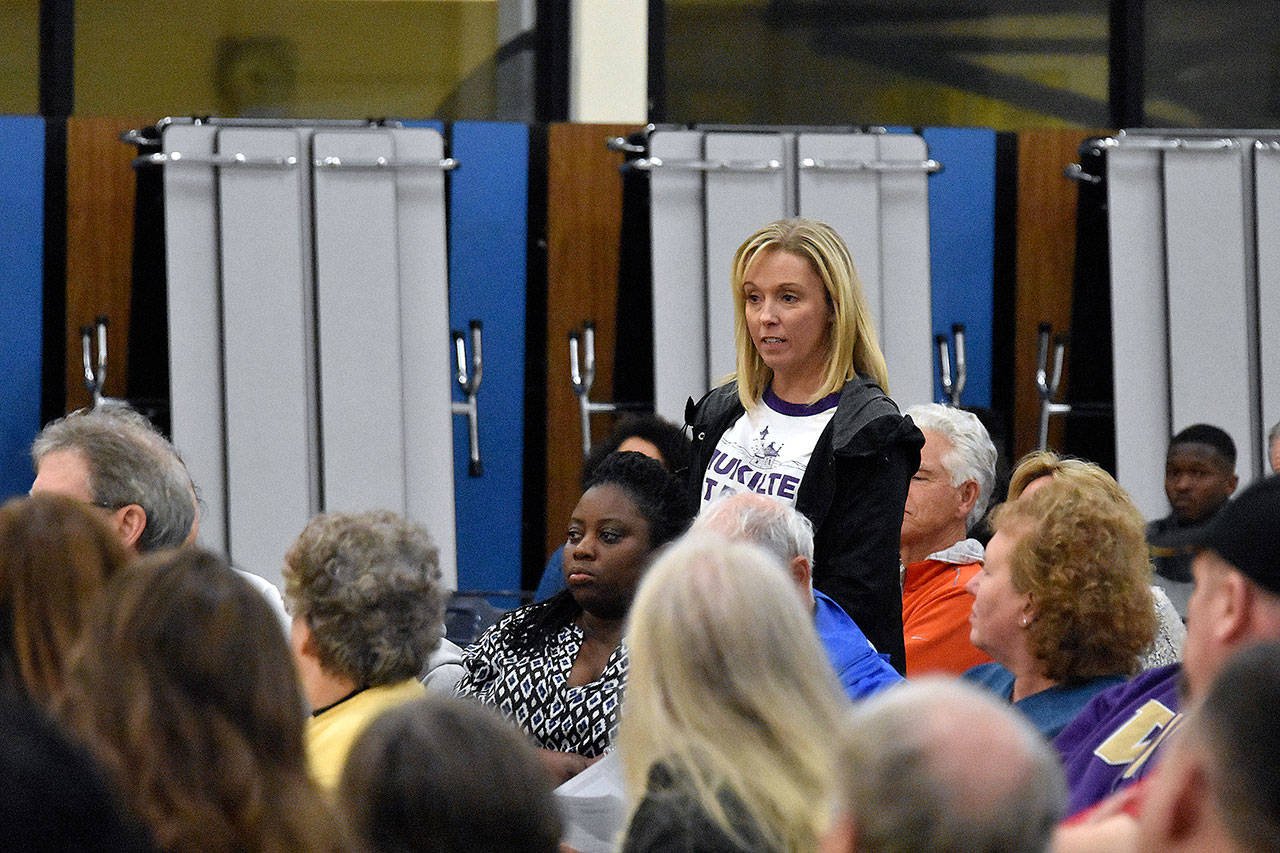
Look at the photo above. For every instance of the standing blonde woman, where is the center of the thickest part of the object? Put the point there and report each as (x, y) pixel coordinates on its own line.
(731, 707)
(806, 418)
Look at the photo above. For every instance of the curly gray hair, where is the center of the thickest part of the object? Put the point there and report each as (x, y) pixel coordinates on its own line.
(368, 587)
(129, 462)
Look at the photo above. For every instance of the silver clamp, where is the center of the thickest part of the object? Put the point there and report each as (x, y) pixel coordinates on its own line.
(470, 385)
(1047, 381)
(95, 370)
(620, 143)
(928, 166)
(953, 389)
(1075, 172)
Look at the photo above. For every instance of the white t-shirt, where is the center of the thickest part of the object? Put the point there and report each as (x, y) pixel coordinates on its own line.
(767, 449)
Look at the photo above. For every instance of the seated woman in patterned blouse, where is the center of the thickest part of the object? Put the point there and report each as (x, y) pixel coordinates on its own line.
(557, 668)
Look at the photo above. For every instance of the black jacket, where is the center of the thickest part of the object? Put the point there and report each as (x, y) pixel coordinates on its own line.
(853, 491)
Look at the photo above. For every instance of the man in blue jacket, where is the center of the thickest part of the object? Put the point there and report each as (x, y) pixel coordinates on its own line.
(782, 531)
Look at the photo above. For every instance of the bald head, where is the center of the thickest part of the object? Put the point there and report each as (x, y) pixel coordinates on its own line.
(769, 524)
(942, 765)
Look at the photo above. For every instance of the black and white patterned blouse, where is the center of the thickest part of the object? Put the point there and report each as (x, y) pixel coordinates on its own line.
(533, 689)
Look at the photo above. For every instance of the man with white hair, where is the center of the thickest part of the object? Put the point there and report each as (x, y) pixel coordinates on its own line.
(937, 765)
(947, 496)
(785, 533)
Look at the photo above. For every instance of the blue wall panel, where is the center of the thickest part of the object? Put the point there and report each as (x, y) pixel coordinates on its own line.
(487, 243)
(21, 283)
(962, 200)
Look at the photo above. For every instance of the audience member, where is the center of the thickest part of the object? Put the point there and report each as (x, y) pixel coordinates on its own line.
(183, 687)
(947, 497)
(114, 459)
(441, 775)
(55, 795)
(937, 766)
(1217, 789)
(1117, 737)
(1037, 468)
(656, 438)
(1273, 448)
(1199, 477)
(557, 668)
(806, 418)
(364, 590)
(729, 716)
(1062, 603)
(55, 556)
(787, 535)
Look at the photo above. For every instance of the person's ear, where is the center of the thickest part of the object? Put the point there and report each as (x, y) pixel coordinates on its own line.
(968, 498)
(130, 520)
(801, 571)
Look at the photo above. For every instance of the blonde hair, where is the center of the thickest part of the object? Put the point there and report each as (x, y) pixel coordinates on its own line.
(730, 692)
(854, 345)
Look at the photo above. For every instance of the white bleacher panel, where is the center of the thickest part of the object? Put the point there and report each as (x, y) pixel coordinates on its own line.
(358, 318)
(1139, 322)
(738, 203)
(1211, 332)
(1267, 182)
(195, 323)
(679, 275)
(265, 228)
(426, 356)
(906, 326)
(847, 200)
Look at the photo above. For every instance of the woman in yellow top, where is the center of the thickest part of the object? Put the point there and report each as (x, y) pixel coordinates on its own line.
(364, 591)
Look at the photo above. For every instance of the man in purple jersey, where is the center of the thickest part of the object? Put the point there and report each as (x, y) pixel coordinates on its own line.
(1115, 740)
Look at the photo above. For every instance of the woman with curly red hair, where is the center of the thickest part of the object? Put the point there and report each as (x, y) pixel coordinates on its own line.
(1063, 603)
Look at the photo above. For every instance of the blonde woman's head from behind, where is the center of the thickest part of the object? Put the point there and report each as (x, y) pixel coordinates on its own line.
(729, 688)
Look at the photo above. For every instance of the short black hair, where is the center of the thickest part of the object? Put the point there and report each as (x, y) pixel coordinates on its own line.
(670, 440)
(1208, 435)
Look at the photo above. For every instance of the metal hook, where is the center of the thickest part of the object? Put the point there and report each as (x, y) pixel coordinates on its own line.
(1047, 381)
(953, 390)
(582, 375)
(95, 371)
(469, 383)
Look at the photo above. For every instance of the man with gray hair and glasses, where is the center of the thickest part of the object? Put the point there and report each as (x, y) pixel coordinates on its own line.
(786, 534)
(113, 458)
(946, 498)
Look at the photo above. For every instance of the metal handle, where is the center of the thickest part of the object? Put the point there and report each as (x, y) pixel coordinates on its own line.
(582, 375)
(929, 166)
(1076, 172)
(469, 383)
(1156, 143)
(1266, 145)
(237, 160)
(1048, 380)
(648, 164)
(953, 389)
(446, 164)
(95, 370)
(620, 143)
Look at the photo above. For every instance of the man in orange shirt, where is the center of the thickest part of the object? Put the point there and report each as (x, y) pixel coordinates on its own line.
(948, 494)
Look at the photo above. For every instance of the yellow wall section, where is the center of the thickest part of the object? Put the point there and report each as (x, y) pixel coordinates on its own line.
(349, 59)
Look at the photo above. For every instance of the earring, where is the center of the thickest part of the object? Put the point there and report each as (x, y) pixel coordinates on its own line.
(1024, 621)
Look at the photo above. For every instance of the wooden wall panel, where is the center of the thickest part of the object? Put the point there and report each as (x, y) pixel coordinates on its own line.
(100, 197)
(584, 220)
(1046, 246)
